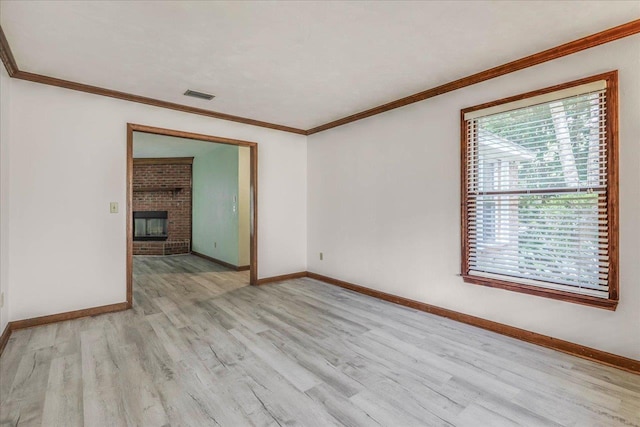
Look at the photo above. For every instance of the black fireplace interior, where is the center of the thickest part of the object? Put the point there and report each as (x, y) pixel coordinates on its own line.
(150, 225)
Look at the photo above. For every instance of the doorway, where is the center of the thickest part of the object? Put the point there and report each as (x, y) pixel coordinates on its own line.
(150, 227)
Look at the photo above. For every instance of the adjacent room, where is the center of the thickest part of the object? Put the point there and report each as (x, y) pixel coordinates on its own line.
(310, 213)
(191, 219)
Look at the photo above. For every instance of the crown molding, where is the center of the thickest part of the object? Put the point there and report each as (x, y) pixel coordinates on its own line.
(6, 56)
(52, 81)
(12, 68)
(606, 36)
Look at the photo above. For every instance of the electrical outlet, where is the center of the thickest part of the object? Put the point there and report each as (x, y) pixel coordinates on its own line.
(215, 244)
(2, 300)
(113, 207)
(321, 256)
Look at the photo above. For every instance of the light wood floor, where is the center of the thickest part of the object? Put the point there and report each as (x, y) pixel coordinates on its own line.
(201, 348)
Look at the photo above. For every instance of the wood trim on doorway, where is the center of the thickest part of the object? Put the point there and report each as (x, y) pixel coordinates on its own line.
(253, 190)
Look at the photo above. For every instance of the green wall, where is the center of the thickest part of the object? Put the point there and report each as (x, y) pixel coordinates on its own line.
(215, 204)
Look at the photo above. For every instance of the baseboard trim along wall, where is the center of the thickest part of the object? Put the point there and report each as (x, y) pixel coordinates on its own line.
(578, 350)
(60, 317)
(4, 338)
(282, 277)
(222, 263)
(69, 315)
(599, 356)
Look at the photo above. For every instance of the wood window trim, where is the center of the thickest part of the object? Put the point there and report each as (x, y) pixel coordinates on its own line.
(609, 303)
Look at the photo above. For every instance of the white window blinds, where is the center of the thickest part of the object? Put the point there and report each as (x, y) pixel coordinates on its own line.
(536, 191)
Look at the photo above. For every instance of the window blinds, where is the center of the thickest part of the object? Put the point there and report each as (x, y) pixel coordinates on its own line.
(536, 193)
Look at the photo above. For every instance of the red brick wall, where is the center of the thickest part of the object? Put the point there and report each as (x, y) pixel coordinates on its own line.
(161, 248)
(176, 203)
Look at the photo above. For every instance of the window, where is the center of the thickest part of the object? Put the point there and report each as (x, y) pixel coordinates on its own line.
(539, 192)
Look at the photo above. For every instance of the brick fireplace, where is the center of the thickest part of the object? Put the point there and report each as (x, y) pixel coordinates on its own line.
(162, 206)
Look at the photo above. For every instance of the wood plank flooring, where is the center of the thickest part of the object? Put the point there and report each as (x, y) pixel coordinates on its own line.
(200, 348)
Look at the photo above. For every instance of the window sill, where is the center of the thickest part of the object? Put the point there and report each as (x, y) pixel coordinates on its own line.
(607, 304)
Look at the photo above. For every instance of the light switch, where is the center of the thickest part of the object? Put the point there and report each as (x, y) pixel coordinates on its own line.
(113, 207)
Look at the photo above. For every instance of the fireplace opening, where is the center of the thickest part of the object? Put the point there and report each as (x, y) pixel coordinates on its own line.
(150, 225)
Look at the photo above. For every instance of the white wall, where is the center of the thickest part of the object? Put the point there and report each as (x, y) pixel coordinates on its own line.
(68, 161)
(215, 204)
(383, 201)
(384, 197)
(5, 83)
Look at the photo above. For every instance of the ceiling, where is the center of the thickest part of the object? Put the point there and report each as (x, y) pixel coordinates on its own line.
(150, 145)
(299, 64)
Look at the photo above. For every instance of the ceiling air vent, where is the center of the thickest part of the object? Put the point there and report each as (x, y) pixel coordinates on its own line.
(199, 95)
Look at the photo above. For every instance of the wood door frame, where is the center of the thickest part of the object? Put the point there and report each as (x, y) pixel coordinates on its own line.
(253, 196)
